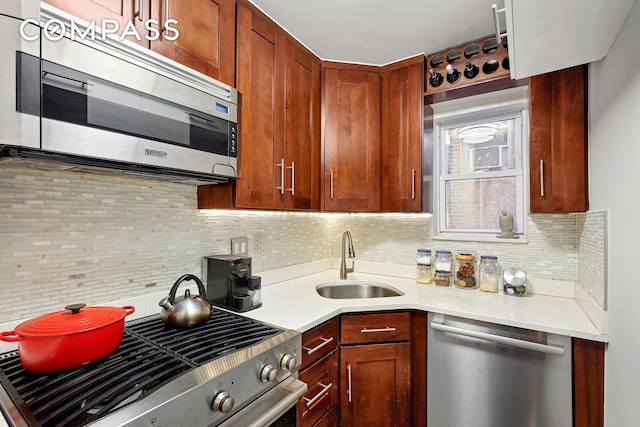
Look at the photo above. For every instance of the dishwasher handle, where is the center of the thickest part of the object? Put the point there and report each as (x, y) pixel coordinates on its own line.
(438, 325)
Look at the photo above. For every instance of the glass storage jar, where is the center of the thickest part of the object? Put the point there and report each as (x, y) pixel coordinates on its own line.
(443, 261)
(465, 270)
(489, 273)
(424, 273)
(442, 278)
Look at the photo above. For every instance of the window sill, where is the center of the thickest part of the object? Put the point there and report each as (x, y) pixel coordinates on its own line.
(479, 238)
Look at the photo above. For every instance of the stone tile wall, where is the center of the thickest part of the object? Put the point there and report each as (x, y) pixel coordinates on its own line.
(72, 237)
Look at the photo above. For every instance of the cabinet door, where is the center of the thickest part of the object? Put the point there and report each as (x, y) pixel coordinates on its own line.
(351, 140)
(401, 139)
(558, 143)
(375, 385)
(302, 129)
(261, 151)
(120, 11)
(207, 35)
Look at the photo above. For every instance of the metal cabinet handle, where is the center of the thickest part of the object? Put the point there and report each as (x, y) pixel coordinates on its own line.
(438, 325)
(293, 178)
(325, 388)
(349, 381)
(413, 184)
(541, 178)
(386, 329)
(166, 14)
(140, 12)
(496, 22)
(331, 185)
(281, 166)
(325, 341)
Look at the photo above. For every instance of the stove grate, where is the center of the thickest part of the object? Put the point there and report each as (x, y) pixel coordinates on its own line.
(79, 396)
(223, 333)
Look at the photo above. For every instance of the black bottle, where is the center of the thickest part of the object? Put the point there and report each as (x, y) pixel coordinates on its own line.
(452, 74)
(435, 79)
(470, 70)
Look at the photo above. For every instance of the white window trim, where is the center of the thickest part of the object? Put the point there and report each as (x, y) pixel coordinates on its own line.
(508, 103)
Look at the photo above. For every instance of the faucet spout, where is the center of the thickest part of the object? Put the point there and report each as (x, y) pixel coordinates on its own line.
(346, 239)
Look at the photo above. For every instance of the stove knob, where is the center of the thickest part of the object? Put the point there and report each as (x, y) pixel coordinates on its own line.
(223, 402)
(288, 362)
(268, 374)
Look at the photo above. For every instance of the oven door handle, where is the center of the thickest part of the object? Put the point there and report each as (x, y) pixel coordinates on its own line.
(294, 390)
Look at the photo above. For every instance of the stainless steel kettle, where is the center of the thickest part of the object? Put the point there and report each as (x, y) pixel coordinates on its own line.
(188, 310)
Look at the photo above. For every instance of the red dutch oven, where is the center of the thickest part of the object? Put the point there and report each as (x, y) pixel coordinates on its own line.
(69, 338)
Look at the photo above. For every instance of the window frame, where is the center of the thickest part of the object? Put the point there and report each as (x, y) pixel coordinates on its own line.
(506, 104)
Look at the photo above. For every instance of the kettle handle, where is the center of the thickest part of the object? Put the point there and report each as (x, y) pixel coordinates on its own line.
(174, 288)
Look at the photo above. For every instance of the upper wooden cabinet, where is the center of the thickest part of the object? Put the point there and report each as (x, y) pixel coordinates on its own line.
(207, 35)
(279, 84)
(351, 137)
(547, 35)
(207, 29)
(558, 142)
(401, 136)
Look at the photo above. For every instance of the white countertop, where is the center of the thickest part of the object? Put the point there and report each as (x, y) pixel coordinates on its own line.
(295, 304)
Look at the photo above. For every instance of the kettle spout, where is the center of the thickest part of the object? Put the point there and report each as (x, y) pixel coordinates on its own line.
(166, 303)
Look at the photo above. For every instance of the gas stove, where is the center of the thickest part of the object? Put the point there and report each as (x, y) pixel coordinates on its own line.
(231, 370)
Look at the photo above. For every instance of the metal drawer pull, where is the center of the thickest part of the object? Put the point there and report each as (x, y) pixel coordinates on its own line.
(349, 381)
(438, 325)
(325, 388)
(386, 329)
(325, 341)
(281, 166)
(541, 178)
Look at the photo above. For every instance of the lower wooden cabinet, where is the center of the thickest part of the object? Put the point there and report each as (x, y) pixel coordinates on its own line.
(376, 385)
(375, 369)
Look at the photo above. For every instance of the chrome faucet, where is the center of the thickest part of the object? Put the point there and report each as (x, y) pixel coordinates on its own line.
(346, 236)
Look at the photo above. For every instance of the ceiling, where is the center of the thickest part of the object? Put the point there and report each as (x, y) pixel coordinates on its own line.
(379, 32)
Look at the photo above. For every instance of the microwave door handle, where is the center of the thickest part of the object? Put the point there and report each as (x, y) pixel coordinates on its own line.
(48, 75)
(203, 120)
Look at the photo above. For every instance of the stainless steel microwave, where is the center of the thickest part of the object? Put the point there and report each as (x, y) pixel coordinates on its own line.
(108, 104)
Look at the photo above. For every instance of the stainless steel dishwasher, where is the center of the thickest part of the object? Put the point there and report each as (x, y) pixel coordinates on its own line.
(486, 375)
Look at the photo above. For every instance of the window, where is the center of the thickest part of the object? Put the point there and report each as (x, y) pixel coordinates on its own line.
(480, 147)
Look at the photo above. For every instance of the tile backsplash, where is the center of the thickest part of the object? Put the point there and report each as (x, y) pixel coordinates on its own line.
(69, 237)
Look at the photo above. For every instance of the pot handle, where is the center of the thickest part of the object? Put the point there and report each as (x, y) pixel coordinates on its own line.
(174, 288)
(129, 309)
(10, 337)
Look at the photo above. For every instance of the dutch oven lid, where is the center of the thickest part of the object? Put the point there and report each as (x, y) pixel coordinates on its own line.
(74, 318)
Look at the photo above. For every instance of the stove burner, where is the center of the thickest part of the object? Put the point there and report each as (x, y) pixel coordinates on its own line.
(150, 356)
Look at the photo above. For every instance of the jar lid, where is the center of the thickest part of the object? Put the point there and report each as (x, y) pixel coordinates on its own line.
(424, 251)
(465, 257)
(446, 272)
(422, 264)
(489, 257)
(443, 252)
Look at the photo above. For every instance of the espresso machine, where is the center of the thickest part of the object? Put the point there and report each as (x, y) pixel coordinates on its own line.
(229, 282)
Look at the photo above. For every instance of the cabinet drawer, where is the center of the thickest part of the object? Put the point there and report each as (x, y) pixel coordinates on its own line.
(319, 341)
(322, 379)
(375, 328)
(330, 419)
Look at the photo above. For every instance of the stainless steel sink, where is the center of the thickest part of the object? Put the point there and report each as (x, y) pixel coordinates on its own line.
(343, 289)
